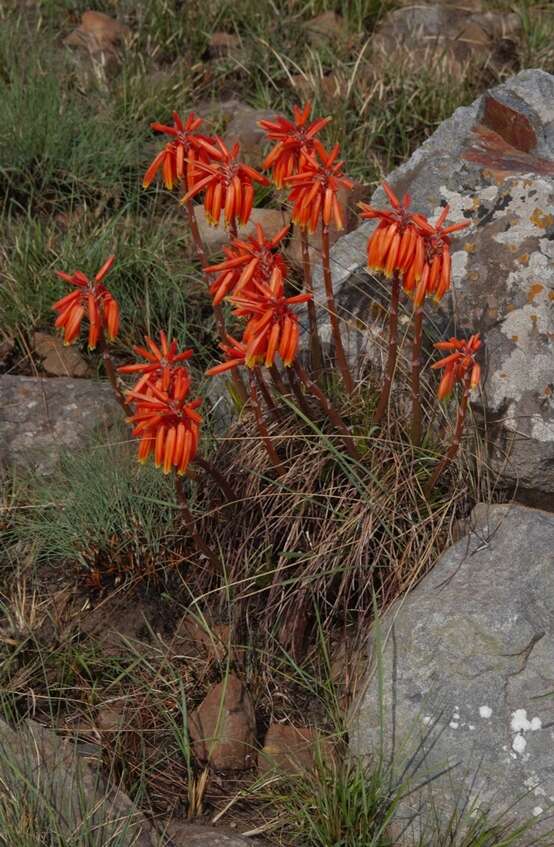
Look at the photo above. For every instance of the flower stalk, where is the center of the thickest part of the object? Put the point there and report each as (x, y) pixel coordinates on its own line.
(458, 432)
(328, 280)
(416, 376)
(189, 522)
(390, 366)
(315, 345)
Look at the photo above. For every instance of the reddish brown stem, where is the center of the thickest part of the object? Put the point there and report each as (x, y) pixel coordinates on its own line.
(315, 345)
(277, 380)
(416, 373)
(112, 375)
(392, 351)
(328, 408)
(266, 393)
(328, 279)
(262, 429)
(188, 520)
(458, 432)
(218, 311)
(297, 391)
(233, 229)
(218, 478)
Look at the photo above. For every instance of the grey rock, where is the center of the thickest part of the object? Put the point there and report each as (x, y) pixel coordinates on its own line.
(47, 779)
(493, 163)
(467, 670)
(184, 834)
(39, 417)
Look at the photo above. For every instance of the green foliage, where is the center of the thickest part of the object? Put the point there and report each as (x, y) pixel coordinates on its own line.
(101, 505)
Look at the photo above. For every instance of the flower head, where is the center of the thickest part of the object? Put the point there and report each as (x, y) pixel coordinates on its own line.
(396, 244)
(162, 363)
(294, 139)
(167, 424)
(91, 298)
(177, 160)
(272, 326)
(459, 365)
(228, 184)
(435, 278)
(247, 263)
(314, 189)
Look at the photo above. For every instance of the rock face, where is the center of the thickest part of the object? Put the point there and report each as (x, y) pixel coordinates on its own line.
(493, 163)
(57, 786)
(224, 725)
(468, 665)
(38, 417)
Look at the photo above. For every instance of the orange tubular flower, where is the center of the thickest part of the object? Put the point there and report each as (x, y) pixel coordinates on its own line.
(235, 354)
(294, 140)
(314, 190)
(436, 276)
(459, 365)
(167, 425)
(247, 263)
(228, 184)
(91, 298)
(272, 327)
(161, 365)
(396, 244)
(177, 160)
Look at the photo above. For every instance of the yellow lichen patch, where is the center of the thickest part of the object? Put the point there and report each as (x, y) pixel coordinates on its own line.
(515, 338)
(535, 289)
(510, 307)
(473, 276)
(523, 259)
(548, 391)
(470, 247)
(551, 295)
(541, 219)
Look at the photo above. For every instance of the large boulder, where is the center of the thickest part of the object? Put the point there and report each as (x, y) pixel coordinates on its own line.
(45, 780)
(465, 664)
(493, 163)
(39, 417)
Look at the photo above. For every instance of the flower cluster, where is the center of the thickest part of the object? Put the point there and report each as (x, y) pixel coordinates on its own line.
(315, 188)
(271, 328)
(460, 365)
(406, 243)
(247, 263)
(167, 423)
(294, 140)
(91, 298)
(165, 420)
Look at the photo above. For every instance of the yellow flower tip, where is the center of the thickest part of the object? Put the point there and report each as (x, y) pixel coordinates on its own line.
(91, 348)
(144, 459)
(181, 473)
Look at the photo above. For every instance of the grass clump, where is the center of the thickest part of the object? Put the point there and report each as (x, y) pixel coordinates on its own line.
(100, 509)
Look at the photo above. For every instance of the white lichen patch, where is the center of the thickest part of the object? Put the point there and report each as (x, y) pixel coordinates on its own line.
(520, 724)
(485, 712)
(537, 811)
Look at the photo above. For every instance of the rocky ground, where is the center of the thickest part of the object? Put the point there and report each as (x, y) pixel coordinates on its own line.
(143, 704)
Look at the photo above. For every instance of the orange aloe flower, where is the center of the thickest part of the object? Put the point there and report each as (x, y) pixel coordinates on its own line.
(247, 263)
(235, 354)
(395, 244)
(91, 298)
(228, 184)
(272, 327)
(294, 139)
(167, 424)
(459, 365)
(161, 365)
(177, 160)
(437, 271)
(314, 189)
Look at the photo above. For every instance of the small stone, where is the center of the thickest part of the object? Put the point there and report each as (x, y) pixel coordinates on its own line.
(210, 640)
(214, 238)
(186, 834)
(223, 727)
(59, 360)
(243, 127)
(325, 29)
(291, 749)
(107, 31)
(7, 346)
(223, 44)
